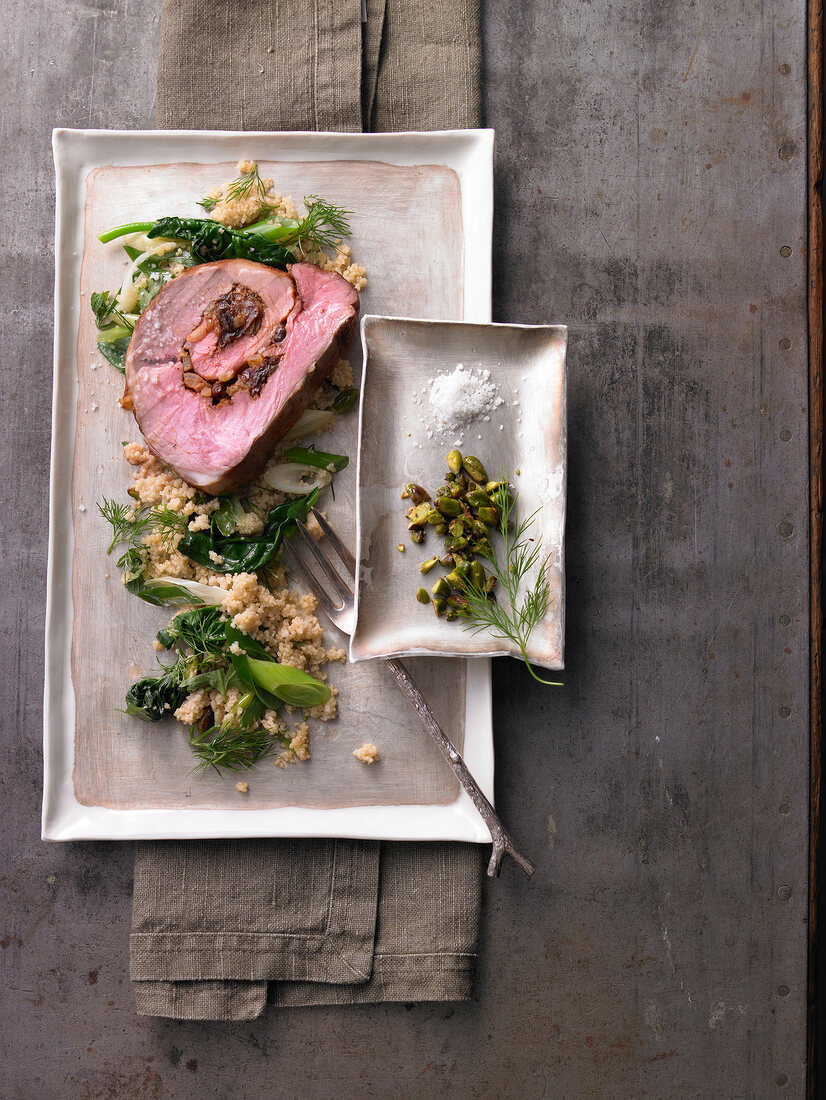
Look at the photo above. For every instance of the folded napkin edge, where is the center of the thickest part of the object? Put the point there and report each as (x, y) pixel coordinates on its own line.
(165, 956)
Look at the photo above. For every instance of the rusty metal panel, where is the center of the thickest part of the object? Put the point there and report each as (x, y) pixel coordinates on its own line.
(651, 192)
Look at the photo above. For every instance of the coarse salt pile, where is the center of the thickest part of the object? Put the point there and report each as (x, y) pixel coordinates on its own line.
(459, 398)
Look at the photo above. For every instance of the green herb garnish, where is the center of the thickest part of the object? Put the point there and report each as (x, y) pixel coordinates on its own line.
(247, 182)
(169, 523)
(132, 523)
(240, 188)
(510, 619)
(323, 226)
(229, 749)
(201, 630)
(129, 525)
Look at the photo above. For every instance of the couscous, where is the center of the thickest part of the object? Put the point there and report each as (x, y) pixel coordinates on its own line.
(367, 753)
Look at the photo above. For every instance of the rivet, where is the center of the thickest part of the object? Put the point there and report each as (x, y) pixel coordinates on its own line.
(785, 343)
(786, 529)
(785, 435)
(785, 252)
(783, 990)
(784, 69)
(785, 712)
(784, 892)
(785, 809)
(785, 620)
(782, 1079)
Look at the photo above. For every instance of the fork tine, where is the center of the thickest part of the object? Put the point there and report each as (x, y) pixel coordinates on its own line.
(343, 590)
(315, 587)
(336, 543)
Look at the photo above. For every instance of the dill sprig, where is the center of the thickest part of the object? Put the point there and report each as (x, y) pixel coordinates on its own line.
(132, 523)
(129, 525)
(200, 630)
(240, 188)
(169, 523)
(323, 226)
(230, 748)
(509, 619)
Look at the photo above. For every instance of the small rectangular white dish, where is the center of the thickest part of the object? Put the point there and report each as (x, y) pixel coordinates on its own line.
(399, 443)
(422, 219)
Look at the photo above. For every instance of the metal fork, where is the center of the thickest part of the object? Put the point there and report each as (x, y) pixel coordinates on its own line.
(335, 595)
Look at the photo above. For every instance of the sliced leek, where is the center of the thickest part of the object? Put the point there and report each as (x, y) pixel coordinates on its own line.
(295, 477)
(311, 423)
(181, 592)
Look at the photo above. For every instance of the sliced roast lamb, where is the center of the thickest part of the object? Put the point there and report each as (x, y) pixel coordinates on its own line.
(227, 357)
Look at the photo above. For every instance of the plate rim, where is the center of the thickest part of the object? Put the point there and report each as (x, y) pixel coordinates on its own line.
(63, 818)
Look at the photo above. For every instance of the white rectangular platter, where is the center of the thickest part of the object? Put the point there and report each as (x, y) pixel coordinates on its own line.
(422, 217)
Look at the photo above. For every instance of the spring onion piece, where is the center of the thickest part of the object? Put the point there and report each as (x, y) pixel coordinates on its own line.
(114, 332)
(123, 230)
(295, 477)
(311, 457)
(289, 684)
(246, 652)
(311, 423)
(254, 667)
(274, 229)
(178, 592)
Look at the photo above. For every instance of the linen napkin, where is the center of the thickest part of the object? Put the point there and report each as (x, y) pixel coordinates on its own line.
(286, 65)
(222, 927)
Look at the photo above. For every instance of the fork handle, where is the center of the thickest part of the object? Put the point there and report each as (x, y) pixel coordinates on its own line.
(502, 843)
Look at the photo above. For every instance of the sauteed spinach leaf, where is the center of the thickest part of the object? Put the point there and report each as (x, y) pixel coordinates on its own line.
(242, 554)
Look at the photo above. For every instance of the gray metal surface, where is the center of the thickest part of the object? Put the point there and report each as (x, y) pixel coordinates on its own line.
(651, 168)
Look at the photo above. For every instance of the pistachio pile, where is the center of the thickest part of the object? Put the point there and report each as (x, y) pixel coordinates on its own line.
(464, 512)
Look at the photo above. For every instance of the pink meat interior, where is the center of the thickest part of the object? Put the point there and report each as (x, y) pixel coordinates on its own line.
(206, 443)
